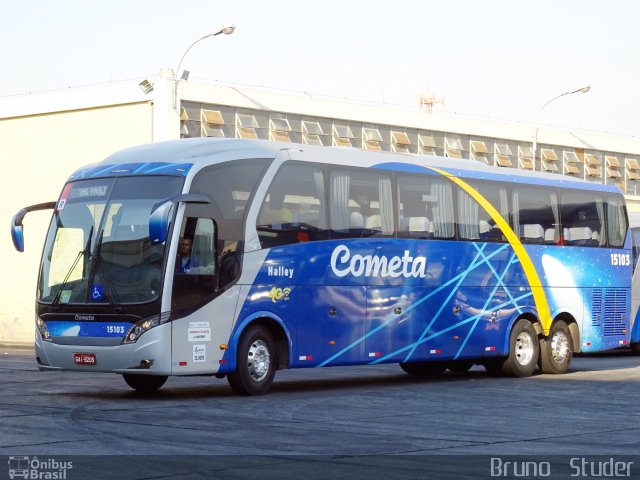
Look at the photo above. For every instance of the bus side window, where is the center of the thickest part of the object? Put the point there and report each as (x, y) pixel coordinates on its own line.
(360, 204)
(582, 215)
(617, 223)
(536, 215)
(425, 207)
(195, 264)
(293, 210)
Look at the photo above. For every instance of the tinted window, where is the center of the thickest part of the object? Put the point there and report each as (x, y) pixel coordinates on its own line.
(583, 219)
(474, 221)
(616, 221)
(535, 215)
(294, 209)
(360, 204)
(230, 186)
(425, 208)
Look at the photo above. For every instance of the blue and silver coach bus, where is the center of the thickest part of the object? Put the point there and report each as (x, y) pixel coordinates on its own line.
(237, 258)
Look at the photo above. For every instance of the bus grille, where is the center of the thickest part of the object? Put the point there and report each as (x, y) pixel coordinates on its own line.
(615, 312)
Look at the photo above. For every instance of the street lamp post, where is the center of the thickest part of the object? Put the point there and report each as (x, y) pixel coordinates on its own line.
(584, 89)
(227, 30)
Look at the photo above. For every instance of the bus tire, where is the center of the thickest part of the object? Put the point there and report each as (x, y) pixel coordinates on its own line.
(556, 351)
(635, 348)
(144, 383)
(255, 362)
(424, 369)
(524, 350)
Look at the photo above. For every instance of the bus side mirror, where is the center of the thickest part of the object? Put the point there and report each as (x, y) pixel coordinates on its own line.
(159, 218)
(159, 223)
(17, 237)
(17, 231)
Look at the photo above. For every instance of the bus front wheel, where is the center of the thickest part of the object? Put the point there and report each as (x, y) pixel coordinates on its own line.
(556, 351)
(255, 362)
(524, 350)
(144, 383)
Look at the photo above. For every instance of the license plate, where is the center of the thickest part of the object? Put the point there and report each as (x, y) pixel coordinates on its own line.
(84, 358)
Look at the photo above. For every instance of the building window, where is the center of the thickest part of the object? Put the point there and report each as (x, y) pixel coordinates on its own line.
(211, 122)
(279, 129)
(612, 166)
(427, 144)
(342, 136)
(400, 142)
(453, 148)
(371, 139)
(632, 168)
(549, 160)
(312, 133)
(479, 151)
(246, 126)
(525, 158)
(502, 155)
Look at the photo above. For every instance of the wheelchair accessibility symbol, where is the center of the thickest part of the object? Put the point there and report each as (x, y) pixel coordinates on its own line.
(96, 293)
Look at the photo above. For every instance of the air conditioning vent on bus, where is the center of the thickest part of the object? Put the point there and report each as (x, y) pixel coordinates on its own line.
(615, 311)
(596, 313)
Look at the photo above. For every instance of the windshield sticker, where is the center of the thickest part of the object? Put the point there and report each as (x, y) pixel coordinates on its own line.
(65, 295)
(63, 197)
(97, 293)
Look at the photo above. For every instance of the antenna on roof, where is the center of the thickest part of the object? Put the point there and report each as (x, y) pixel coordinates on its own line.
(428, 100)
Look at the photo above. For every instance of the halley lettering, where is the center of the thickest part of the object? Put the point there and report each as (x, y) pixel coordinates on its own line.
(343, 264)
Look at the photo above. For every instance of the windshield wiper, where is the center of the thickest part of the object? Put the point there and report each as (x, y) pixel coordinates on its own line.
(81, 253)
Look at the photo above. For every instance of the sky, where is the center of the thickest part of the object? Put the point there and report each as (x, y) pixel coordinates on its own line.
(499, 59)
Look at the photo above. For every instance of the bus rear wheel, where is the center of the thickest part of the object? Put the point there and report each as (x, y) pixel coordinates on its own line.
(635, 348)
(524, 350)
(424, 369)
(144, 383)
(255, 362)
(556, 351)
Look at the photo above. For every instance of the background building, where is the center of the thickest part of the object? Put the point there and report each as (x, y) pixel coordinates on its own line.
(44, 137)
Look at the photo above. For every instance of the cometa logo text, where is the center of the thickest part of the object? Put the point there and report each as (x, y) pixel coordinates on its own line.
(344, 263)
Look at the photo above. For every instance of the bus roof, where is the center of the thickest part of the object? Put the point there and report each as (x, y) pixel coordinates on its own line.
(177, 157)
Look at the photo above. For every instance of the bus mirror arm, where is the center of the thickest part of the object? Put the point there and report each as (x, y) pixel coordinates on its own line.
(17, 232)
(159, 218)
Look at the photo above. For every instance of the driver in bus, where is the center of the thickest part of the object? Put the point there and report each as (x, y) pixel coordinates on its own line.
(186, 260)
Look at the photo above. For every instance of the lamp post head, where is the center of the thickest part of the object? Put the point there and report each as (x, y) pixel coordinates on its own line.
(585, 89)
(227, 29)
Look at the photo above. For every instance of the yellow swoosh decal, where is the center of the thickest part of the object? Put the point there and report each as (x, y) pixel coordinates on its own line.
(530, 272)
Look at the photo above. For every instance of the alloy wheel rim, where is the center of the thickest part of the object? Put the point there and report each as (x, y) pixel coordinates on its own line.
(258, 360)
(524, 349)
(559, 347)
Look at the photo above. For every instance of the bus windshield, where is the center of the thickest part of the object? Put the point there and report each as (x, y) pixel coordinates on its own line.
(97, 249)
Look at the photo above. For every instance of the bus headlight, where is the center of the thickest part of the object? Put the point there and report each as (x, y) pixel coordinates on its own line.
(43, 329)
(142, 326)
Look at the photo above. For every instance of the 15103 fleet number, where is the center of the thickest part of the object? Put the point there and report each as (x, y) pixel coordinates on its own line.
(620, 259)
